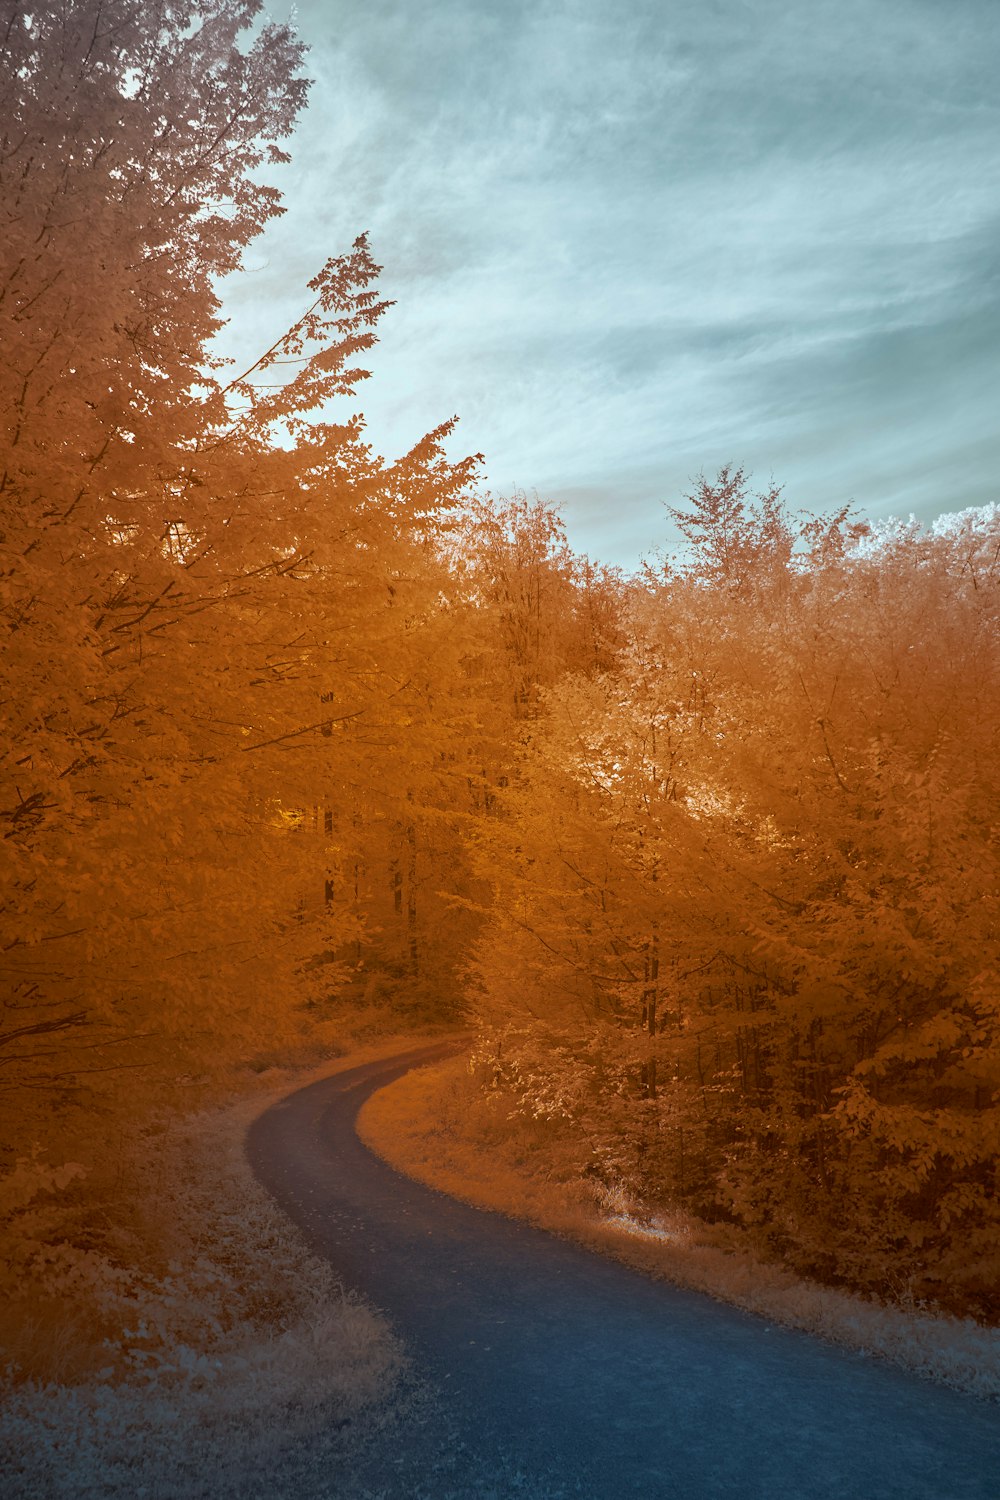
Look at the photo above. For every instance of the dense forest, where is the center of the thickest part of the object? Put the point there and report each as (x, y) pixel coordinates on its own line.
(706, 855)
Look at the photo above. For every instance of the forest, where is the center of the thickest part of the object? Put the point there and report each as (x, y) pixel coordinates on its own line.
(296, 736)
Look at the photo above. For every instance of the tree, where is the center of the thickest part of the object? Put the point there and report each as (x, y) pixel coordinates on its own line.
(130, 142)
(785, 798)
(734, 540)
(184, 595)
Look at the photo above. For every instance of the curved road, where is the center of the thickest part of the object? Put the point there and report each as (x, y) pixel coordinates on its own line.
(617, 1386)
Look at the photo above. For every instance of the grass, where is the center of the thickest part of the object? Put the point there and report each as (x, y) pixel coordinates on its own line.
(437, 1125)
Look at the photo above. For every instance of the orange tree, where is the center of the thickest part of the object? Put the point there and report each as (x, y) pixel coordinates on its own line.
(214, 595)
(746, 923)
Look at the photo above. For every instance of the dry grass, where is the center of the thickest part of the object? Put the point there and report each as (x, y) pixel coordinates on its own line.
(436, 1125)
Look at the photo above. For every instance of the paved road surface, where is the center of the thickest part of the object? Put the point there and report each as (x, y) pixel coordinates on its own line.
(597, 1381)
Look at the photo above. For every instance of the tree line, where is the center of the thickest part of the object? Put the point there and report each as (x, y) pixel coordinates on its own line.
(707, 854)
(744, 923)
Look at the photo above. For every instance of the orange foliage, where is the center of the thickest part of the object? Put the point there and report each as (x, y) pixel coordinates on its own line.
(283, 719)
(746, 920)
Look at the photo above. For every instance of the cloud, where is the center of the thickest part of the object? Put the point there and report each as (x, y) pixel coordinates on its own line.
(628, 243)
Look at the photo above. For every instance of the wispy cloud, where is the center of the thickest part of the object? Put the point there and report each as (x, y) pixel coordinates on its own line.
(628, 243)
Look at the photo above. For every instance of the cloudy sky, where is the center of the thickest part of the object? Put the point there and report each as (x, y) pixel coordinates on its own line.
(632, 242)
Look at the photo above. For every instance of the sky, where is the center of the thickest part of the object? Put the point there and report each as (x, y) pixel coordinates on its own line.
(631, 243)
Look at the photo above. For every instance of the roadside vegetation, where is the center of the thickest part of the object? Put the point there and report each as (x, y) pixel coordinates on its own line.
(438, 1125)
(180, 1339)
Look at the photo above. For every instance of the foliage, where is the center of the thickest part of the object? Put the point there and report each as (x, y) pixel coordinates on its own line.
(462, 1127)
(199, 1375)
(746, 924)
(290, 725)
(219, 606)
(225, 777)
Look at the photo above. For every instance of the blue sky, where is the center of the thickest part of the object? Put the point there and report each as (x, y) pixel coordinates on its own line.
(632, 242)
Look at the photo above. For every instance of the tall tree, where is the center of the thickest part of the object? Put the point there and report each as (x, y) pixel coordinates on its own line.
(198, 577)
(783, 794)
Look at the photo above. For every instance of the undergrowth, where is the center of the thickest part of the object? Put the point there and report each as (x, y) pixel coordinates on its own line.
(179, 1339)
(438, 1125)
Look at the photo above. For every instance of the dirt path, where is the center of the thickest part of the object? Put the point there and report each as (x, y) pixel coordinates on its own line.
(592, 1379)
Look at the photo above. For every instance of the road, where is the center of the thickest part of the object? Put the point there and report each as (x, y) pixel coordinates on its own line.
(588, 1377)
